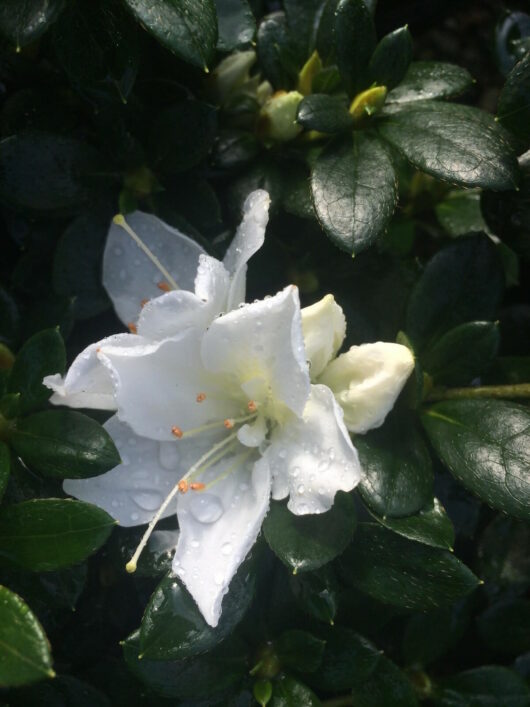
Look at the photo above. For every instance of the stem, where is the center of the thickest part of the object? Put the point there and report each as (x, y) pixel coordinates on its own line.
(346, 701)
(517, 390)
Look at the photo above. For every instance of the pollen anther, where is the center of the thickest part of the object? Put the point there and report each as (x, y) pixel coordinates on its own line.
(176, 432)
(228, 423)
(197, 486)
(143, 303)
(252, 406)
(201, 397)
(183, 486)
(162, 285)
(132, 327)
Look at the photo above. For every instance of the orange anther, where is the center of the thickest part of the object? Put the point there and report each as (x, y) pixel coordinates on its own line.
(177, 432)
(228, 423)
(183, 486)
(132, 327)
(251, 405)
(98, 349)
(197, 486)
(163, 286)
(143, 303)
(201, 397)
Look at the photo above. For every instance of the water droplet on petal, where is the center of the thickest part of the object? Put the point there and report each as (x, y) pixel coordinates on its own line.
(147, 500)
(300, 489)
(226, 549)
(168, 455)
(206, 508)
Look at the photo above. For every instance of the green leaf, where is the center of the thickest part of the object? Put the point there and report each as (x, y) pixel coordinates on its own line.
(233, 149)
(482, 687)
(425, 80)
(459, 212)
(354, 191)
(173, 627)
(452, 142)
(47, 534)
(397, 469)
(188, 28)
(237, 25)
(502, 552)
(47, 173)
(308, 542)
(325, 37)
(505, 627)
(64, 444)
(289, 692)
(463, 353)
(327, 114)
(391, 58)
(404, 573)
(183, 135)
(302, 19)
(24, 649)
(429, 636)
(299, 651)
(430, 526)
(5, 467)
(387, 685)
(514, 101)
(262, 692)
(462, 282)
(24, 21)
(316, 594)
(486, 446)
(43, 354)
(276, 53)
(48, 592)
(355, 41)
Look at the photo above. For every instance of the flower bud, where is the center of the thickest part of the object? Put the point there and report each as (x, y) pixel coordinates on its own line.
(367, 103)
(366, 381)
(230, 74)
(277, 119)
(324, 327)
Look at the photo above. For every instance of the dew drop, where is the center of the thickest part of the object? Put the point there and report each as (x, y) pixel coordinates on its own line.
(226, 549)
(295, 471)
(134, 516)
(168, 455)
(323, 464)
(300, 489)
(206, 508)
(147, 500)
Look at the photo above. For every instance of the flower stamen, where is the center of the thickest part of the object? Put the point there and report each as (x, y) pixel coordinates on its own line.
(201, 397)
(197, 486)
(228, 423)
(177, 432)
(252, 406)
(131, 326)
(163, 286)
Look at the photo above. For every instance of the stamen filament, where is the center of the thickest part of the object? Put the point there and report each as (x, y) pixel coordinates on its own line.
(239, 459)
(119, 220)
(212, 426)
(132, 564)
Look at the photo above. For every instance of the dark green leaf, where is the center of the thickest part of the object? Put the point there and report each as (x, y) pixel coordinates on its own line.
(40, 356)
(327, 114)
(325, 38)
(302, 18)
(237, 25)
(514, 101)
(49, 592)
(404, 573)
(431, 79)
(173, 627)
(462, 283)
(297, 192)
(505, 626)
(355, 41)
(5, 467)
(354, 191)
(24, 649)
(486, 446)
(299, 651)
(463, 353)
(47, 534)
(310, 541)
(47, 173)
(24, 21)
(387, 685)
(183, 135)
(430, 526)
(397, 469)
(316, 594)
(288, 692)
(65, 444)
(452, 142)
(482, 687)
(459, 213)
(188, 28)
(428, 636)
(234, 148)
(276, 55)
(391, 58)
(503, 552)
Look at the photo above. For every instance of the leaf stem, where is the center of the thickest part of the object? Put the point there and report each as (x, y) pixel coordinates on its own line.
(517, 390)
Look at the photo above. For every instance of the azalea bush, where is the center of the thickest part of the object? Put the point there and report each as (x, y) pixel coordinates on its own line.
(264, 353)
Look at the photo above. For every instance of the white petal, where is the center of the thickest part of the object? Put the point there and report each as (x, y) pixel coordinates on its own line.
(130, 277)
(252, 435)
(217, 529)
(133, 491)
(87, 383)
(156, 386)
(248, 239)
(324, 326)
(261, 344)
(313, 458)
(367, 380)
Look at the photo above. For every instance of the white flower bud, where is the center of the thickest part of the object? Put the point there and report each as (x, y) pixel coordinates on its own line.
(324, 327)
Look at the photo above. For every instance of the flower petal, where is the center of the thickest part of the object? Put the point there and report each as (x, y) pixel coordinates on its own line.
(130, 277)
(156, 386)
(262, 343)
(324, 327)
(133, 491)
(367, 380)
(218, 529)
(248, 239)
(313, 458)
(87, 383)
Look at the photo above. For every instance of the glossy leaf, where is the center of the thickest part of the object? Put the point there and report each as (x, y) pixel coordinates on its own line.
(24, 21)
(47, 534)
(354, 191)
(459, 213)
(302, 18)
(486, 446)
(355, 42)
(188, 28)
(482, 687)
(404, 573)
(236, 22)
(430, 526)
(514, 101)
(431, 79)
(65, 444)
(327, 114)
(289, 692)
(24, 649)
(387, 685)
(455, 143)
(43, 354)
(391, 58)
(310, 541)
(316, 594)
(299, 650)
(276, 54)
